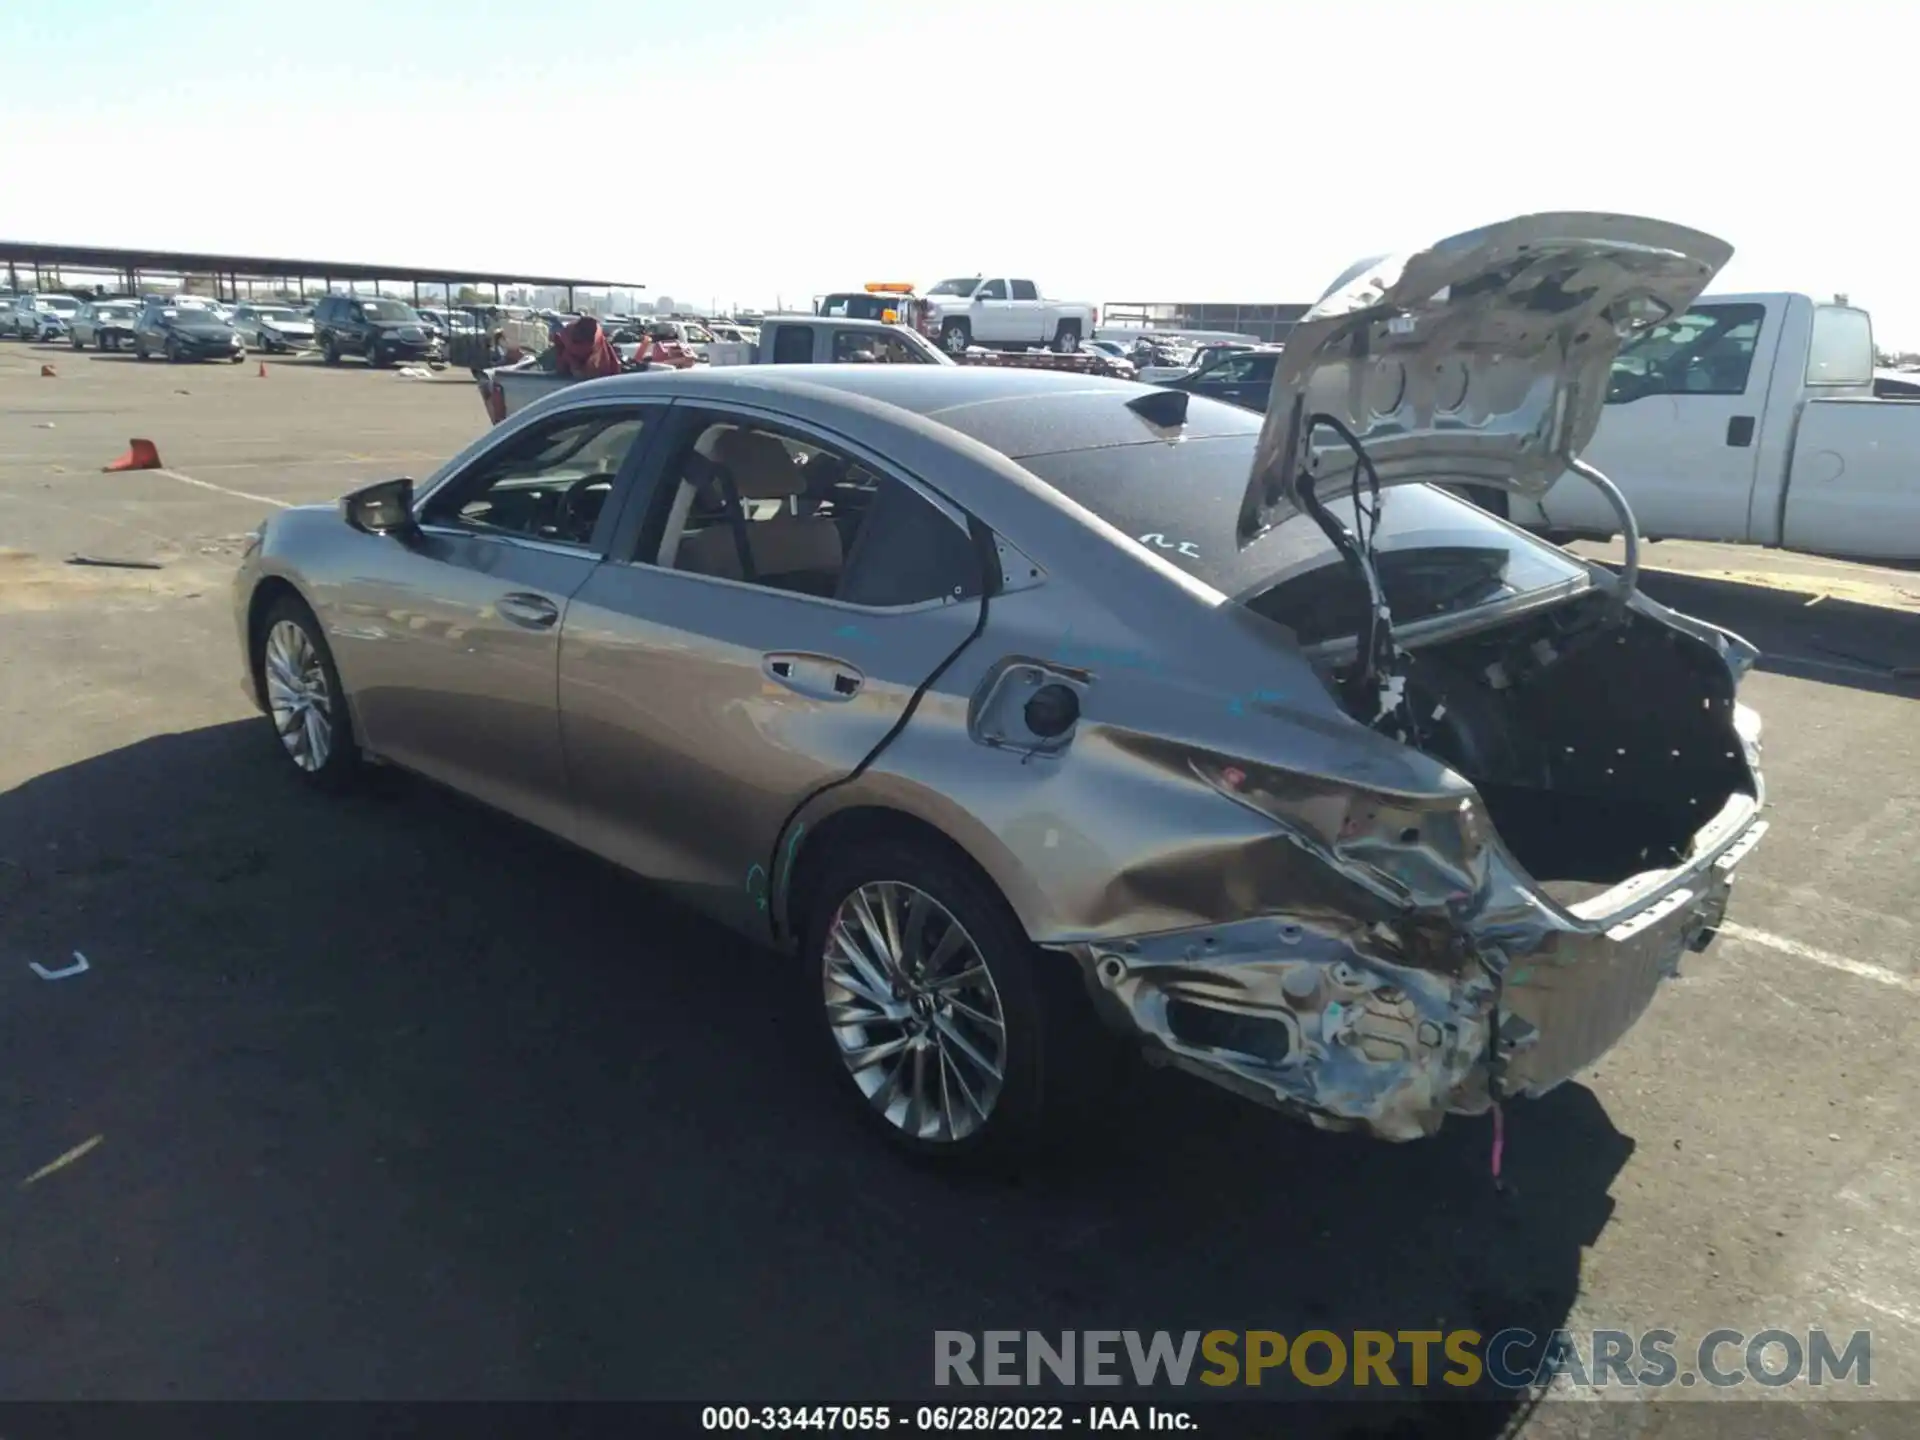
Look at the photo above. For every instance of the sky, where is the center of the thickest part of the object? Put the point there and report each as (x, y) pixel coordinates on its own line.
(757, 151)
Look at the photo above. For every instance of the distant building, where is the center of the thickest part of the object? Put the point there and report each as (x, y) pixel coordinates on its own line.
(1269, 322)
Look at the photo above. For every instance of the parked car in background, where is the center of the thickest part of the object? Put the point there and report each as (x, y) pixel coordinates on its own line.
(1002, 313)
(104, 324)
(1752, 419)
(1162, 357)
(1113, 350)
(185, 332)
(1238, 376)
(41, 316)
(1008, 704)
(376, 329)
(276, 329)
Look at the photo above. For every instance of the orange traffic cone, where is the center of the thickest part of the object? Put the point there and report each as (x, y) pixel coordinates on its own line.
(263, 369)
(141, 455)
(46, 372)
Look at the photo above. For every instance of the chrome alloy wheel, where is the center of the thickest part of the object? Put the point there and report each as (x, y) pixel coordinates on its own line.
(298, 696)
(914, 1012)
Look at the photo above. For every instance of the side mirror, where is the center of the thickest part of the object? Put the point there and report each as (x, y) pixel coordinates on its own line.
(382, 509)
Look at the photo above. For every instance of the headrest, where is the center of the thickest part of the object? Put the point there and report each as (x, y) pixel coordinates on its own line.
(760, 465)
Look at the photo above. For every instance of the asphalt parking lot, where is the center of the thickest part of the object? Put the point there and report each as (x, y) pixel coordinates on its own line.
(396, 1099)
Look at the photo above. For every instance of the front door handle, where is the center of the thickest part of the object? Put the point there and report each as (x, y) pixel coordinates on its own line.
(820, 676)
(534, 612)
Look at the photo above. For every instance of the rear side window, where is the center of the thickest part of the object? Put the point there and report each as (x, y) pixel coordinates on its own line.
(792, 345)
(1841, 352)
(782, 513)
(1023, 290)
(1706, 351)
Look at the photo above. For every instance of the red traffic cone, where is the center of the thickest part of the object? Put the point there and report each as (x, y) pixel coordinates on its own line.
(263, 369)
(141, 455)
(46, 372)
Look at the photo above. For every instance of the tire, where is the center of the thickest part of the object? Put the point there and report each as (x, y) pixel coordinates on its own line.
(956, 336)
(73, 339)
(173, 352)
(332, 352)
(140, 352)
(297, 679)
(239, 357)
(1066, 339)
(1035, 1037)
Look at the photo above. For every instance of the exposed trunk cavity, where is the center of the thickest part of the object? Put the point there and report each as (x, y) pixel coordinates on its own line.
(1600, 751)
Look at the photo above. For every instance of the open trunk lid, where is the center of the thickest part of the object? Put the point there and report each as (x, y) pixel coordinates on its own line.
(1481, 360)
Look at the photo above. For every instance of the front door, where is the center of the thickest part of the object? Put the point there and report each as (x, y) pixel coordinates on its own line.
(785, 600)
(451, 647)
(1680, 434)
(995, 318)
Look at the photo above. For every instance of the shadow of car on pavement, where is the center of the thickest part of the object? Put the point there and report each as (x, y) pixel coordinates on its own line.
(403, 1100)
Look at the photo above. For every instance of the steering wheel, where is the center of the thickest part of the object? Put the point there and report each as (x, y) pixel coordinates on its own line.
(574, 518)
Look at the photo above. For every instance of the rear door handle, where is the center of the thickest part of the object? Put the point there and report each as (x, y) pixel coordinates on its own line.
(820, 676)
(1740, 431)
(533, 612)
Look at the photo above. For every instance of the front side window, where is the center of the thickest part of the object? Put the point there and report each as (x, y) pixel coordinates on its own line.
(549, 483)
(1706, 351)
(993, 290)
(788, 514)
(960, 288)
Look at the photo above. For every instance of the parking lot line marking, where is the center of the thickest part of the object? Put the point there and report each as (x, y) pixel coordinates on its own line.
(1879, 974)
(237, 494)
(65, 1160)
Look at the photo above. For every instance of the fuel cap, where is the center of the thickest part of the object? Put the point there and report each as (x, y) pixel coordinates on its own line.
(1051, 710)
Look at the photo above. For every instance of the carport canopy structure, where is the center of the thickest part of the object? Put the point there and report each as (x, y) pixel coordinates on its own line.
(229, 272)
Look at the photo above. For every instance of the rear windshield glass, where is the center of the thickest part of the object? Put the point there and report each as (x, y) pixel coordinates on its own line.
(1437, 553)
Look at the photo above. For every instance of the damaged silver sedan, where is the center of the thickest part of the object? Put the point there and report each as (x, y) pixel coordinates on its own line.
(1002, 700)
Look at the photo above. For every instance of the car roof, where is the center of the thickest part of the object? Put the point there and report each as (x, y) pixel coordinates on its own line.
(1018, 412)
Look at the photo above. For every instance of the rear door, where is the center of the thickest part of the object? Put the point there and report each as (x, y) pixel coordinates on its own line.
(764, 623)
(1680, 434)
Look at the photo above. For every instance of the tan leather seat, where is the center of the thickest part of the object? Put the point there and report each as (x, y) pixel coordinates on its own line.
(781, 545)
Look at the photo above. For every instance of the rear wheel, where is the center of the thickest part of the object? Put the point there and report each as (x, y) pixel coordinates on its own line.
(1066, 339)
(304, 699)
(930, 1005)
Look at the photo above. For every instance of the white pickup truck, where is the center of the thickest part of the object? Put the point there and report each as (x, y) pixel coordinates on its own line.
(1752, 419)
(1002, 314)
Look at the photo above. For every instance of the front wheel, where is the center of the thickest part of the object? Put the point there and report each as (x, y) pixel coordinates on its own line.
(173, 352)
(303, 695)
(955, 336)
(930, 1004)
(332, 353)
